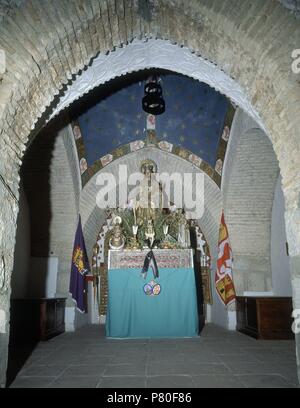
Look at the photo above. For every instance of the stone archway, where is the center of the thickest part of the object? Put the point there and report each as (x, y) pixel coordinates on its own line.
(47, 44)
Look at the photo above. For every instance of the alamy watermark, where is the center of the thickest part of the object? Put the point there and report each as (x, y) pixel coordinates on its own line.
(296, 61)
(152, 190)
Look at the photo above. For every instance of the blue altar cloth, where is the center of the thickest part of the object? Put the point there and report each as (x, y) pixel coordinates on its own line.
(131, 313)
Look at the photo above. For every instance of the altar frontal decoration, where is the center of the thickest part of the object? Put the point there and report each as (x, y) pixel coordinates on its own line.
(152, 288)
(223, 278)
(79, 268)
(148, 222)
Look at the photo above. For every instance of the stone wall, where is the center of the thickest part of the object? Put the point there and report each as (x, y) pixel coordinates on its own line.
(46, 43)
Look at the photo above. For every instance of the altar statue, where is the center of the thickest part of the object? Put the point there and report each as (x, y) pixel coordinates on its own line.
(183, 230)
(149, 197)
(117, 240)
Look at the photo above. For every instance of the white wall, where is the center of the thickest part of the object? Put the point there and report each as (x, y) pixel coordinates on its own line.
(281, 280)
(22, 250)
(249, 178)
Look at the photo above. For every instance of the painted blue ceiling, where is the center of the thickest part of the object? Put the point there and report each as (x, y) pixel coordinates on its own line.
(194, 118)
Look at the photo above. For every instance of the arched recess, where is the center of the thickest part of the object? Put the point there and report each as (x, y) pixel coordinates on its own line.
(249, 179)
(47, 44)
(93, 217)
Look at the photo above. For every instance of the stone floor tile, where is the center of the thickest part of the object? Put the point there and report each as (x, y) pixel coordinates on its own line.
(185, 368)
(32, 382)
(44, 370)
(75, 382)
(123, 382)
(84, 370)
(217, 381)
(125, 369)
(170, 381)
(265, 381)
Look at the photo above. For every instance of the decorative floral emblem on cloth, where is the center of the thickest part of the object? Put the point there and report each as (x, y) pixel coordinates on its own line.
(150, 262)
(223, 278)
(78, 259)
(152, 288)
(156, 289)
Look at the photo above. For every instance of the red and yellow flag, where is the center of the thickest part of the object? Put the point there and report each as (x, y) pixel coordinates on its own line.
(223, 278)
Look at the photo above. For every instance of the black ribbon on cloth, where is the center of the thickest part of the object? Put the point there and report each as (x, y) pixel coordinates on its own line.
(150, 261)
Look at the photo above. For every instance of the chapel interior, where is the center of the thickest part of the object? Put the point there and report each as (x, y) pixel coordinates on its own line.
(127, 295)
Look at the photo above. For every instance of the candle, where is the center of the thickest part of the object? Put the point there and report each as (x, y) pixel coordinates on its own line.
(134, 214)
(166, 229)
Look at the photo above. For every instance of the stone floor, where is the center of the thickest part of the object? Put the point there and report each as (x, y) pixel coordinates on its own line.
(218, 358)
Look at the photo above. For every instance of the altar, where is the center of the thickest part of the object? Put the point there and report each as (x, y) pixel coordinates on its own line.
(147, 307)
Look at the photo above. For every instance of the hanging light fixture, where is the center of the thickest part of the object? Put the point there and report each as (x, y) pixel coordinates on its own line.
(153, 101)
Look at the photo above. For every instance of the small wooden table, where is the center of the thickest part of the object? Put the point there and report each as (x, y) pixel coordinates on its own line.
(37, 319)
(265, 317)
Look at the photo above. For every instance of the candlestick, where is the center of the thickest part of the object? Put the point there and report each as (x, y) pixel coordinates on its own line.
(135, 230)
(165, 230)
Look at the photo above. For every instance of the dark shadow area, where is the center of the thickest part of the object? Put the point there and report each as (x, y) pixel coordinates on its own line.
(24, 314)
(24, 326)
(35, 174)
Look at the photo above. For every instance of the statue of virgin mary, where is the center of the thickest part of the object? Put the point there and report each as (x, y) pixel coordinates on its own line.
(150, 193)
